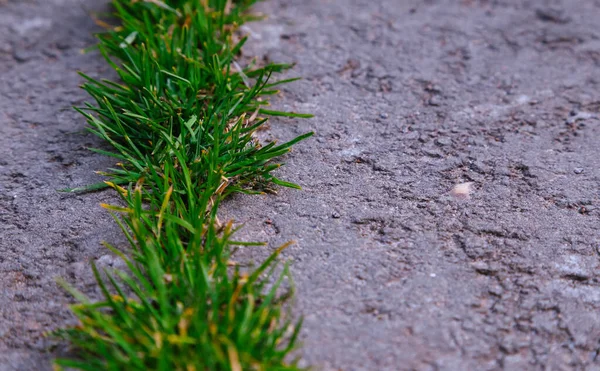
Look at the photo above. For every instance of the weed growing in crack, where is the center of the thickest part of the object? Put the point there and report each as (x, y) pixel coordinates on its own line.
(181, 123)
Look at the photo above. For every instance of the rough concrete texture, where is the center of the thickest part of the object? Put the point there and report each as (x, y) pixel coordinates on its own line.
(393, 270)
(45, 234)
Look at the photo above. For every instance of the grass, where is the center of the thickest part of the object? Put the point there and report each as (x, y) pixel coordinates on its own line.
(181, 123)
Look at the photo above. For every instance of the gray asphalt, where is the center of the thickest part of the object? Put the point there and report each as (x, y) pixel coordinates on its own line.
(393, 270)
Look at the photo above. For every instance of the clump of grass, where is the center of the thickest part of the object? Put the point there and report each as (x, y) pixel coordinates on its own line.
(181, 122)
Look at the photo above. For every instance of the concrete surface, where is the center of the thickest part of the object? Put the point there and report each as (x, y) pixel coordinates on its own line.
(393, 270)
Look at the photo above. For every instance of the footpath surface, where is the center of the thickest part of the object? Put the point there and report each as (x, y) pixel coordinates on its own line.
(393, 271)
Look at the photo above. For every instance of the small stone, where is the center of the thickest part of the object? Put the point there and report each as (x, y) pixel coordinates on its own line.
(435, 101)
(335, 215)
(580, 116)
(483, 268)
(496, 290)
(462, 190)
(109, 261)
(578, 170)
(383, 115)
(478, 167)
(574, 269)
(433, 153)
(443, 141)
(22, 56)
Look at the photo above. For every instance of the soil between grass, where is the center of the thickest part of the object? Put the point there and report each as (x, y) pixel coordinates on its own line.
(411, 98)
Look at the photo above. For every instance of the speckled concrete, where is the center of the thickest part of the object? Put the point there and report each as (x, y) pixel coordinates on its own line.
(411, 98)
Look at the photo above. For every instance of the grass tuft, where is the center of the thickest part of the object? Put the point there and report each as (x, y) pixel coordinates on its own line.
(181, 122)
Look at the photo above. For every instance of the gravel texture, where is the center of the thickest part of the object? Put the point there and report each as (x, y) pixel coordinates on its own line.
(399, 265)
